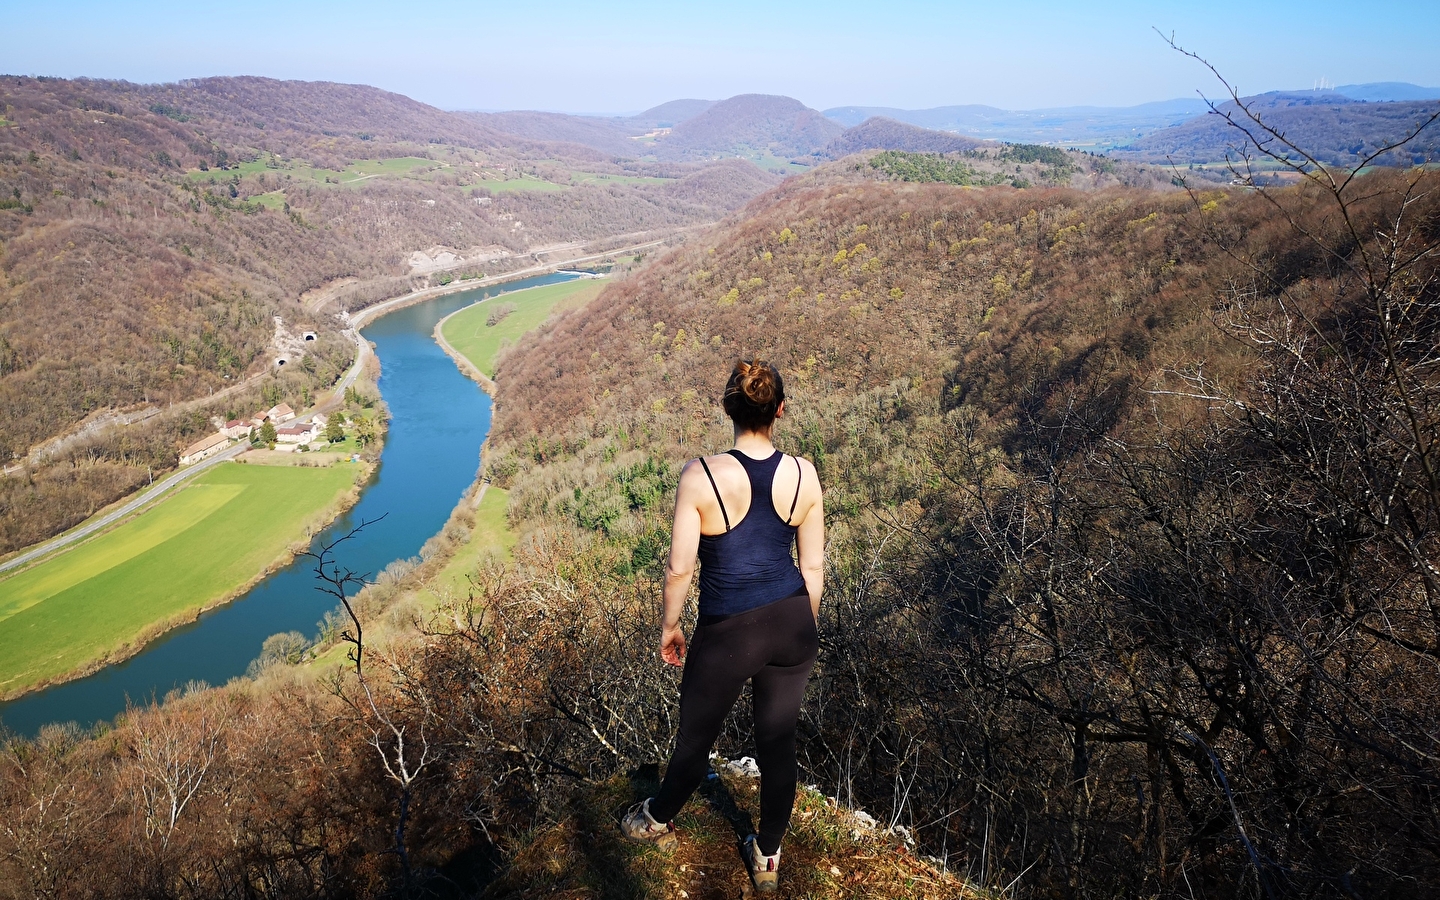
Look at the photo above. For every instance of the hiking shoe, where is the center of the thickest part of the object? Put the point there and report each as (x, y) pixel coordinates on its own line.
(640, 827)
(764, 870)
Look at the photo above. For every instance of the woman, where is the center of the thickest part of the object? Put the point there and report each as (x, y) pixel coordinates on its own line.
(739, 512)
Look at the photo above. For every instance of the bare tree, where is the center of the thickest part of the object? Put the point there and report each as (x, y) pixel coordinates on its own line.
(342, 583)
(173, 758)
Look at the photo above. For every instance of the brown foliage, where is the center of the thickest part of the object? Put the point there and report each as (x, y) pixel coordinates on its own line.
(129, 285)
(1112, 584)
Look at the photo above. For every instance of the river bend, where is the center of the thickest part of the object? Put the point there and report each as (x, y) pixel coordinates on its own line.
(438, 420)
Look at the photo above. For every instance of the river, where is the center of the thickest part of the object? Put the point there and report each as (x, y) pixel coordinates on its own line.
(438, 420)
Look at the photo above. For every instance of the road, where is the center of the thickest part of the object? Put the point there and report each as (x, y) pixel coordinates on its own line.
(99, 523)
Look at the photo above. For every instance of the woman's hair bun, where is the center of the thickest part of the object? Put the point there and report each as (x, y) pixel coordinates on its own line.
(753, 394)
(758, 381)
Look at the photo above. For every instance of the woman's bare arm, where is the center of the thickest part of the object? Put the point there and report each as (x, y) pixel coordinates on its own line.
(810, 541)
(680, 564)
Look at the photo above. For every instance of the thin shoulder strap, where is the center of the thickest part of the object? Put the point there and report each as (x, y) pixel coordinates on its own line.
(799, 474)
(716, 489)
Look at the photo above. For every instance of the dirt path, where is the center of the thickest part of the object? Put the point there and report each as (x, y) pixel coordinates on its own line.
(317, 297)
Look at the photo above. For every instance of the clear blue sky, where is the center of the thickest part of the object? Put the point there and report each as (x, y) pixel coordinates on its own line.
(631, 54)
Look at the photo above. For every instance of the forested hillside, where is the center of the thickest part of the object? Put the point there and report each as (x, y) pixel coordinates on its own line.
(611, 135)
(880, 133)
(1132, 520)
(1337, 130)
(1109, 591)
(149, 235)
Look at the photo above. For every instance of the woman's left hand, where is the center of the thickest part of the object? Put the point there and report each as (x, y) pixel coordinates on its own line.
(672, 644)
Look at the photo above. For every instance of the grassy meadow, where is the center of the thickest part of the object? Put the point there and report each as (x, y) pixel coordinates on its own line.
(502, 185)
(480, 343)
(96, 600)
(295, 172)
(491, 537)
(358, 171)
(601, 178)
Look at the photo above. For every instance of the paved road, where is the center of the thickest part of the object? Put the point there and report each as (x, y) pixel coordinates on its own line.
(164, 486)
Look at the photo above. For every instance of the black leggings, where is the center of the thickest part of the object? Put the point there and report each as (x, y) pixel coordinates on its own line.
(774, 648)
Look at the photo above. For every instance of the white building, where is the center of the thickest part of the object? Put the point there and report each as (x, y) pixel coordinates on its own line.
(302, 433)
(203, 449)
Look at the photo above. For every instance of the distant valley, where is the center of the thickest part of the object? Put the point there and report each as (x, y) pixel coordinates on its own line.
(242, 199)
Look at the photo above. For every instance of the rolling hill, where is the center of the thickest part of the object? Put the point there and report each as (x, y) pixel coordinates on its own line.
(750, 123)
(616, 136)
(1092, 126)
(608, 136)
(881, 133)
(1387, 91)
(151, 232)
(668, 114)
(1338, 130)
(747, 126)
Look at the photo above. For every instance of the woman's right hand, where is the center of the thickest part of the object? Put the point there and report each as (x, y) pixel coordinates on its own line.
(672, 644)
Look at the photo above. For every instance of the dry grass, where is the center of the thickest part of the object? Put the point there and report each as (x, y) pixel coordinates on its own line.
(829, 853)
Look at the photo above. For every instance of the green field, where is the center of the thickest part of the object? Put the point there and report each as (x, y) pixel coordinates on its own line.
(522, 183)
(89, 602)
(597, 178)
(272, 200)
(292, 172)
(359, 171)
(467, 332)
(490, 537)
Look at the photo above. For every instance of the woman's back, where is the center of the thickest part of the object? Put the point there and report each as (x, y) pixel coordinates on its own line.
(749, 564)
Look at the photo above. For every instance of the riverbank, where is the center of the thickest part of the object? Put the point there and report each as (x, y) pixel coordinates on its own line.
(474, 336)
(477, 533)
(105, 600)
(369, 313)
(438, 423)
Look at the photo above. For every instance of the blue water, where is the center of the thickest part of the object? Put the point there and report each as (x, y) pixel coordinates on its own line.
(438, 420)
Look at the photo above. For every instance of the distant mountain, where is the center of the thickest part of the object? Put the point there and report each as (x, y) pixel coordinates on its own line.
(1388, 91)
(611, 135)
(1093, 126)
(750, 124)
(882, 133)
(1337, 129)
(668, 115)
(608, 135)
(747, 125)
(941, 118)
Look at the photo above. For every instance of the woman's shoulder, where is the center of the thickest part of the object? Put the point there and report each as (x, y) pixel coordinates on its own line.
(714, 463)
(806, 466)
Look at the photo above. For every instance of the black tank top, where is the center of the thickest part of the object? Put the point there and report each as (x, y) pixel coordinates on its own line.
(749, 565)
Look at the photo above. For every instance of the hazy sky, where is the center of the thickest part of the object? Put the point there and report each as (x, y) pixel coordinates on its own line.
(626, 56)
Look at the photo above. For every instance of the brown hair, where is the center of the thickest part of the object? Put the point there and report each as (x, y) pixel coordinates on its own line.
(753, 395)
